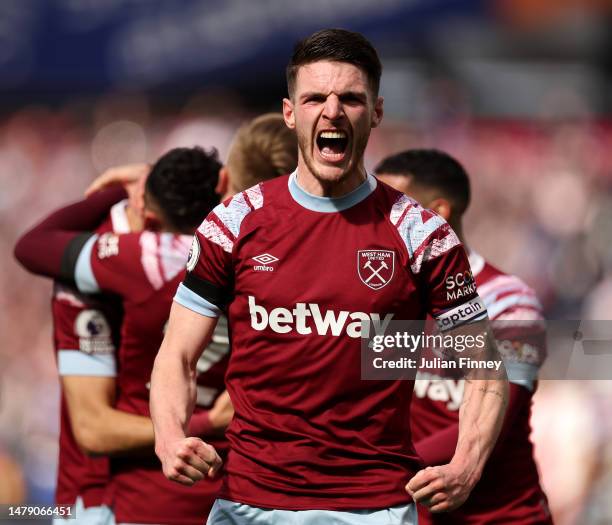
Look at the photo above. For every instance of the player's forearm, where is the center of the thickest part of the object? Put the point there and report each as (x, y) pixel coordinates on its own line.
(439, 447)
(172, 397)
(173, 385)
(114, 432)
(480, 419)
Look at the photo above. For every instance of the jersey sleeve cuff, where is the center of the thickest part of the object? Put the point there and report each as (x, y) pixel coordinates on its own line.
(83, 273)
(191, 300)
(522, 374)
(468, 312)
(77, 363)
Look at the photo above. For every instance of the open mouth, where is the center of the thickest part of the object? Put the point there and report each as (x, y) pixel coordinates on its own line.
(332, 144)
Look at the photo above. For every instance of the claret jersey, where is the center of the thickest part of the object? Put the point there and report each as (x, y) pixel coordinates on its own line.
(145, 269)
(86, 338)
(509, 490)
(297, 274)
(85, 333)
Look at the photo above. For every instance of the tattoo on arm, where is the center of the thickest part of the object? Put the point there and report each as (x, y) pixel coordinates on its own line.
(489, 391)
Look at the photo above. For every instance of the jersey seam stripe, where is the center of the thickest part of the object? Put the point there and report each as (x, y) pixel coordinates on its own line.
(248, 202)
(499, 283)
(217, 221)
(507, 290)
(213, 233)
(512, 301)
(496, 298)
(403, 252)
(404, 214)
(427, 241)
(256, 196)
(519, 307)
(444, 228)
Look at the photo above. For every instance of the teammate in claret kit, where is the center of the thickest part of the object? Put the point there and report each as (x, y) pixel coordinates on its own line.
(509, 491)
(85, 335)
(311, 442)
(144, 269)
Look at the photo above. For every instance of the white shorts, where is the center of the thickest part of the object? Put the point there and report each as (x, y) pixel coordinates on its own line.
(102, 515)
(226, 512)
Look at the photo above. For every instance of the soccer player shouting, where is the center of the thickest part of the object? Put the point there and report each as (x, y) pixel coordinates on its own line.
(296, 264)
(509, 491)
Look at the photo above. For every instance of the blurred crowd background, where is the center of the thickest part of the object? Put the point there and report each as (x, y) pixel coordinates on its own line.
(518, 90)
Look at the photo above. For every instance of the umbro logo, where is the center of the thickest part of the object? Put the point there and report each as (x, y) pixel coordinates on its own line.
(264, 260)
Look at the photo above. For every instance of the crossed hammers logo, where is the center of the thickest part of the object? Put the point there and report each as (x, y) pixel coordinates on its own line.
(375, 272)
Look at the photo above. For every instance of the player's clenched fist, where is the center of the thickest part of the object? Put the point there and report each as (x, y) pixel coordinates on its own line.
(441, 488)
(189, 460)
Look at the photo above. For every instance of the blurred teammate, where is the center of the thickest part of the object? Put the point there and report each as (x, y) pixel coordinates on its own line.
(143, 269)
(509, 491)
(296, 264)
(85, 334)
(262, 149)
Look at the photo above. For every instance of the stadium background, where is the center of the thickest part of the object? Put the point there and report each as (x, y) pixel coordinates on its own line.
(518, 90)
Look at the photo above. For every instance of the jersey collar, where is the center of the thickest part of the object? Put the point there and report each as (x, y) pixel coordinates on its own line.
(330, 204)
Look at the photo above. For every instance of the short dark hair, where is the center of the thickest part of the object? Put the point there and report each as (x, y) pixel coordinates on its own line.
(182, 183)
(431, 168)
(337, 45)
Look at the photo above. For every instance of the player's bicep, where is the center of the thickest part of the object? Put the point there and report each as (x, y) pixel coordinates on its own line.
(86, 398)
(187, 334)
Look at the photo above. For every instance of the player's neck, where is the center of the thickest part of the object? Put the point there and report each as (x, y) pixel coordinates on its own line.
(134, 219)
(458, 229)
(321, 188)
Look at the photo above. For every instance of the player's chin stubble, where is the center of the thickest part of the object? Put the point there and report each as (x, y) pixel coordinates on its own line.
(305, 148)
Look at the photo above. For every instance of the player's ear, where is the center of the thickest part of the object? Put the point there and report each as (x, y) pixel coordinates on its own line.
(442, 207)
(288, 113)
(377, 115)
(223, 182)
